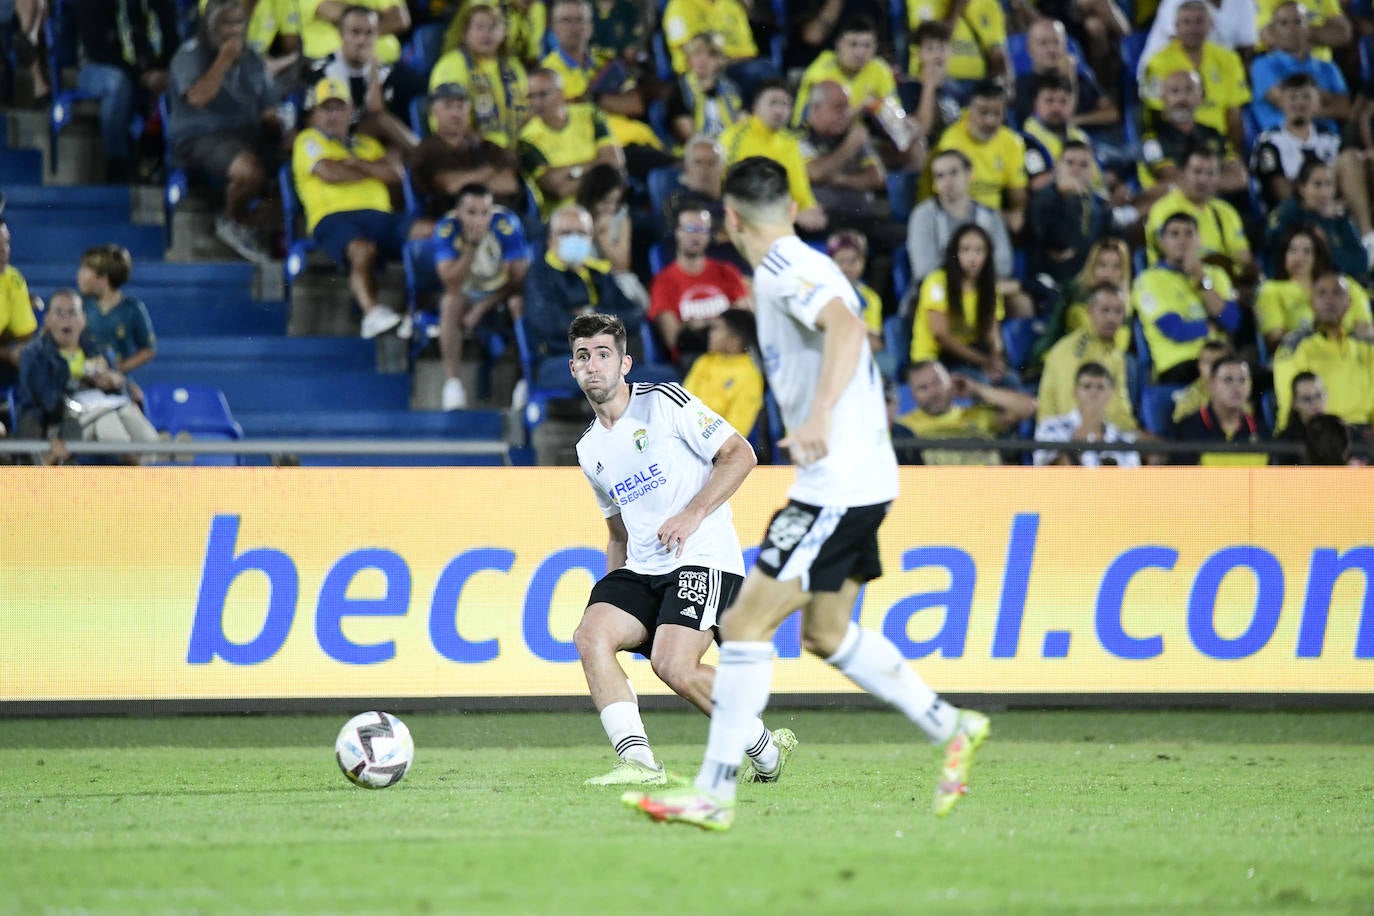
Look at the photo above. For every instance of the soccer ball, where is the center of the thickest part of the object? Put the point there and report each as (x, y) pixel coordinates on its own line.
(374, 750)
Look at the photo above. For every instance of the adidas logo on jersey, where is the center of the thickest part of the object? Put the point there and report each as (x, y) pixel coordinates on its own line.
(690, 612)
(771, 556)
(599, 467)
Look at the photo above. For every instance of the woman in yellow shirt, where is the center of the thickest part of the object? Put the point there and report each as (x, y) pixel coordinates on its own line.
(1284, 304)
(497, 84)
(969, 337)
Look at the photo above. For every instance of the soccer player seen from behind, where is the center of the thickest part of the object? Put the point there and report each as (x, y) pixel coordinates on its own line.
(662, 465)
(823, 545)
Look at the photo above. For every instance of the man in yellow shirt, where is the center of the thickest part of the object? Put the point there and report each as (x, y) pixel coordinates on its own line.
(345, 186)
(729, 19)
(764, 133)
(1344, 364)
(1221, 232)
(17, 320)
(978, 31)
(854, 64)
(994, 411)
(1225, 87)
(561, 141)
(1095, 343)
(997, 152)
(319, 26)
(1182, 302)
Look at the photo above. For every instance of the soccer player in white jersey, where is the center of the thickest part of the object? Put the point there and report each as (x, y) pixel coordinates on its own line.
(823, 545)
(662, 465)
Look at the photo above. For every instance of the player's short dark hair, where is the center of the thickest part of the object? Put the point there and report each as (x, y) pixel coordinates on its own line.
(596, 324)
(930, 30)
(1052, 81)
(1300, 80)
(1094, 370)
(472, 189)
(990, 88)
(859, 24)
(757, 182)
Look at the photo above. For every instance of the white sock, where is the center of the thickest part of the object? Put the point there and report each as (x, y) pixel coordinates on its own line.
(871, 661)
(626, 731)
(762, 750)
(740, 694)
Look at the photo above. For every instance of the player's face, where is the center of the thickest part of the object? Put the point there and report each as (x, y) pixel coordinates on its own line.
(358, 35)
(1109, 269)
(985, 115)
(1319, 191)
(1107, 313)
(1230, 386)
(850, 263)
(598, 367)
(1330, 299)
(1191, 27)
(452, 115)
(855, 50)
(930, 387)
(1309, 399)
(484, 35)
(1053, 107)
(1299, 256)
(774, 108)
(972, 254)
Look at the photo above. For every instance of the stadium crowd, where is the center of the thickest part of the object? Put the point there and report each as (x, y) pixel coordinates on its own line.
(1155, 218)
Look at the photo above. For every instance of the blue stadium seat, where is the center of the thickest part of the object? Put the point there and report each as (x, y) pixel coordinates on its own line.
(461, 425)
(269, 353)
(419, 116)
(46, 237)
(899, 31)
(1131, 48)
(662, 182)
(1157, 407)
(658, 120)
(663, 61)
(901, 274)
(297, 248)
(656, 263)
(414, 205)
(1366, 59)
(1144, 365)
(422, 286)
(897, 340)
(68, 203)
(422, 50)
(1018, 337)
(536, 408)
(197, 409)
(901, 193)
(20, 166)
(1269, 407)
(177, 184)
(776, 431)
(289, 388)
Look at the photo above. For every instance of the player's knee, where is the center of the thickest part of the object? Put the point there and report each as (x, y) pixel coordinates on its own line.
(675, 671)
(821, 641)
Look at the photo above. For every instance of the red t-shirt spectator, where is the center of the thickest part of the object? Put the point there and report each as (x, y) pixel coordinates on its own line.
(694, 299)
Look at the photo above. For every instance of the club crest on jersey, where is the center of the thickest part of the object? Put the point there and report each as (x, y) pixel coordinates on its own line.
(641, 440)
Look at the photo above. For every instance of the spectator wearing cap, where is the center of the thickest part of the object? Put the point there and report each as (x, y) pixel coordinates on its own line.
(764, 133)
(561, 141)
(455, 156)
(224, 124)
(355, 64)
(345, 186)
(688, 293)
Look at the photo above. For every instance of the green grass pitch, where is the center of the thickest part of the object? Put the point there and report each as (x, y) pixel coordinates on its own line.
(1070, 812)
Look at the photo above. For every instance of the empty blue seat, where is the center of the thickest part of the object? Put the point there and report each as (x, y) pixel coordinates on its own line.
(20, 167)
(464, 425)
(189, 408)
(1018, 337)
(901, 193)
(330, 353)
(1157, 407)
(36, 238)
(286, 389)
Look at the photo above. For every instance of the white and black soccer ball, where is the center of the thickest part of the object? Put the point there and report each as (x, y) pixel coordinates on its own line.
(374, 750)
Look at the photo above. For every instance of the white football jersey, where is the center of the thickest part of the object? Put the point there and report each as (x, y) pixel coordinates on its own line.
(650, 465)
(791, 286)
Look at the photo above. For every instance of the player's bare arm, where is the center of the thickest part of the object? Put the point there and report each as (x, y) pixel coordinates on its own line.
(617, 542)
(731, 465)
(846, 337)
